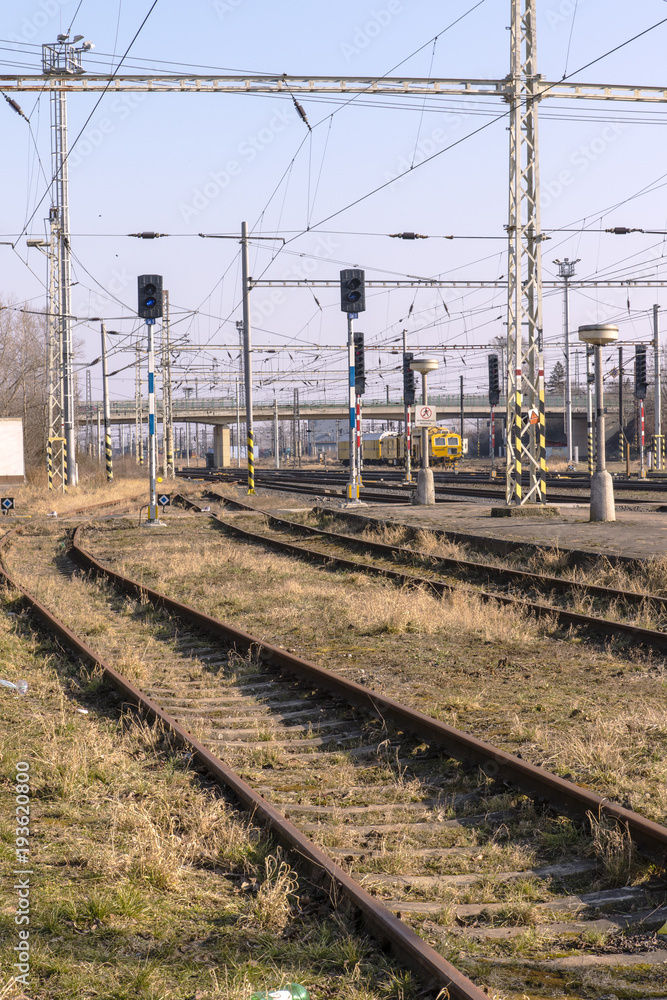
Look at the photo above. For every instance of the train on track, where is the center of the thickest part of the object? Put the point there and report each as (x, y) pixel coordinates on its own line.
(445, 448)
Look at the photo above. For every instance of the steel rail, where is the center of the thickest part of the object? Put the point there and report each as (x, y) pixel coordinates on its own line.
(443, 494)
(479, 492)
(650, 638)
(501, 573)
(534, 780)
(378, 919)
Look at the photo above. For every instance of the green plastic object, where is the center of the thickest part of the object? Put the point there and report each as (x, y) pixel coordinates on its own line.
(293, 991)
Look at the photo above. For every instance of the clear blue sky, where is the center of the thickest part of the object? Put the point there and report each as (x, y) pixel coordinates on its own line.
(189, 163)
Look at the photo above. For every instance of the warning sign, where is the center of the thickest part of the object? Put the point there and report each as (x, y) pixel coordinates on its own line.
(534, 417)
(425, 416)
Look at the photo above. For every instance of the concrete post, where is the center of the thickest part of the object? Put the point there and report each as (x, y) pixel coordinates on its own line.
(602, 487)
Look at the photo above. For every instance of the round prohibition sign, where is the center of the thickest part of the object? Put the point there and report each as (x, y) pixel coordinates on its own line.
(425, 413)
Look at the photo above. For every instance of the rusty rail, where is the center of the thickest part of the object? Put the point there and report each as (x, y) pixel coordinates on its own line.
(534, 780)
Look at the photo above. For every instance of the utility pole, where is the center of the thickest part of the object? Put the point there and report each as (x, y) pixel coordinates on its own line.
(197, 424)
(657, 391)
(566, 271)
(276, 442)
(89, 414)
(138, 408)
(461, 400)
(238, 426)
(188, 394)
(408, 436)
(622, 443)
(247, 359)
(297, 430)
(167, 400)
(108, 451)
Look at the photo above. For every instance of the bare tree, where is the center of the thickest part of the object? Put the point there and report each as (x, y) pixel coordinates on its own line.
(23, 376)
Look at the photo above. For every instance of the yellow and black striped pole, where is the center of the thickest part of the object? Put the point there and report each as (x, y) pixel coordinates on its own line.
(170, 449)
(108, 454)
(518, 431)
(66, 477)
(251, 463)
(108, 450)
(543, 435)
(49, 463)
(247, 358)
(589, 445)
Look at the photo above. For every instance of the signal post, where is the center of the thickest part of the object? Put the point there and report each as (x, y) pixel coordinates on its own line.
(641, 386)
(359, 389)
(408, 401)
(352, 302)
(494, 399)
(150, 309)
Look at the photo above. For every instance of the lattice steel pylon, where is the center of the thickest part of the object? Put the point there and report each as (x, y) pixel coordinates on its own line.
(526, 439)
(62, 58)
(55, 454)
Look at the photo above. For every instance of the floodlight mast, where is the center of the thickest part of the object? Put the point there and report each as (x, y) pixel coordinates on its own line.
(61, 58)
(566, 269)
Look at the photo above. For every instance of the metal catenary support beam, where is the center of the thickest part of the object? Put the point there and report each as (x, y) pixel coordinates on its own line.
(522, 89)
(90, 83)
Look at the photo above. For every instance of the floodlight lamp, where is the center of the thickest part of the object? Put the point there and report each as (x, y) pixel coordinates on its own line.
(87, 46)
(424, 365)
(599, 334)
(77, 38)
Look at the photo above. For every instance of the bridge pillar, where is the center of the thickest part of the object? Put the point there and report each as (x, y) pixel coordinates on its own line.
(221, 448)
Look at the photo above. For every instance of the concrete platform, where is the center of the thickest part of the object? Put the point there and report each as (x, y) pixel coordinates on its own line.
(634, 535)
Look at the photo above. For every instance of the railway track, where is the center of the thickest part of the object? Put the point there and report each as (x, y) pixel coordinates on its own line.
(331, 544)
(317, 484)
(420, 827)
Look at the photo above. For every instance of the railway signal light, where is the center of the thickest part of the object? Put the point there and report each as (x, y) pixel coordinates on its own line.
(408, 380)
(150, 296)
(494, 380)
(352, 291)
(359, 365)
(641, 382)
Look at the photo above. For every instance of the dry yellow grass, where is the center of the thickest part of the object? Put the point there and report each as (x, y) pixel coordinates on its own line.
(367, 606)
(477, 666)
(139, 887)
(36, 499)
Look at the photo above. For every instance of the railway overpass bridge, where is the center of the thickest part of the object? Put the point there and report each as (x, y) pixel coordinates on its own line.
(223, 411)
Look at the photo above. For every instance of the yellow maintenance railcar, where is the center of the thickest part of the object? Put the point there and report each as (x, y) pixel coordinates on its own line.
(445, 448)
